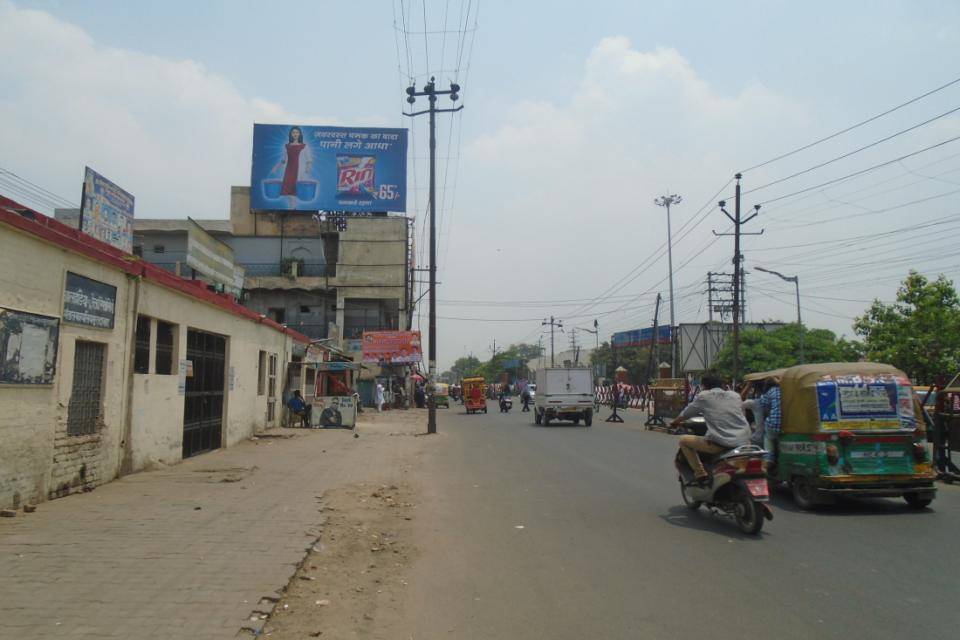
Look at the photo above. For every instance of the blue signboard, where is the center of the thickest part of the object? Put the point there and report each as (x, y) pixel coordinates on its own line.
(301, 168)
(641, 337)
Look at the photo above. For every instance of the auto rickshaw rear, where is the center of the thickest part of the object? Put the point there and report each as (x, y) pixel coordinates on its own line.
(852, 429)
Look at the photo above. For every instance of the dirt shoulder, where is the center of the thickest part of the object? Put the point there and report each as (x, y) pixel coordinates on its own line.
(352, 583)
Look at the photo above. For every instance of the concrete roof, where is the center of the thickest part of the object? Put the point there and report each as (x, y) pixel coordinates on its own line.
(170, 224)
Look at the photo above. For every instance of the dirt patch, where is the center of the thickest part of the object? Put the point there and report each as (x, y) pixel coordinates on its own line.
(351, 585)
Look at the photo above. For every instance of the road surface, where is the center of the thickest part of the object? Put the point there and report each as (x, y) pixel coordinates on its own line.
(573, 532)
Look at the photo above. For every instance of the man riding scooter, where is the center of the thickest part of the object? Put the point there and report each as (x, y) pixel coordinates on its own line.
(727, 427)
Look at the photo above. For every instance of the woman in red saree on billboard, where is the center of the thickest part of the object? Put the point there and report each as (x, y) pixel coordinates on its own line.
(295, 151)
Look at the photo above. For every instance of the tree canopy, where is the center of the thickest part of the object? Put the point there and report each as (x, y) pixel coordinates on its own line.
(919, 333)
(765, 350)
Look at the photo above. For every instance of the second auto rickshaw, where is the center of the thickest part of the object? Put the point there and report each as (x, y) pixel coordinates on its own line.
(850, 429)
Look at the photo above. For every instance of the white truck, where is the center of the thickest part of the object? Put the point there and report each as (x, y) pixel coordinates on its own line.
(564, 393)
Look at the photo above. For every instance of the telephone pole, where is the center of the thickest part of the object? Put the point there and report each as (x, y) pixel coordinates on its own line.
(737, 268)
(654, 342)
(430, 90)
(666, 201)
(554, 324)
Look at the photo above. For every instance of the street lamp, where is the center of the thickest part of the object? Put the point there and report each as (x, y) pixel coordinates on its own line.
(796, 281)
(666, 201)
(596, 332)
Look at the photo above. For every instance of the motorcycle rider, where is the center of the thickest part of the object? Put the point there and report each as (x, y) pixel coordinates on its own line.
(727, 427)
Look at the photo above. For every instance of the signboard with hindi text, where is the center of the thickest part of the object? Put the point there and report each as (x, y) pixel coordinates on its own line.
(106, 211)
(392, 347)
(89, 302)
(307, 168)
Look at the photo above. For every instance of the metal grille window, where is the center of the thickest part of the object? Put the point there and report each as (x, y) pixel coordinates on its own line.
(165, 339)
(141, 356)
(262, 373)
(272, 388)
(83, 412)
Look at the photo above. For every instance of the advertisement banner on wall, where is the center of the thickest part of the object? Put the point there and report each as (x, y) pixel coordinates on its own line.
(393, 347)
(304, 168)
(641, 337)
(28, 347)
(106, 211)
(89, 302)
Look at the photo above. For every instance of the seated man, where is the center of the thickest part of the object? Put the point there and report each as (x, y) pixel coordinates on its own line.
(300, 408)
(727, 427)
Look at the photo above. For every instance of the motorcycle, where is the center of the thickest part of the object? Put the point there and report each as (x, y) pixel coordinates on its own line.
(739, 486)
(505, 404)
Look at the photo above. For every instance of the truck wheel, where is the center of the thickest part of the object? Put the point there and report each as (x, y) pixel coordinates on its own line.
(536, 416)
(576, 421)
(588, 419)
(546, 419)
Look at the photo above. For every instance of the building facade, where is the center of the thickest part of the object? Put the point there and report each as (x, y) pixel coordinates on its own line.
(111, 365)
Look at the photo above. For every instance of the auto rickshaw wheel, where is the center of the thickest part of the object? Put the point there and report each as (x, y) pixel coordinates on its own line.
(747, 514)
(536, 416)
(804, 495)
(916, 502)
(692, 504)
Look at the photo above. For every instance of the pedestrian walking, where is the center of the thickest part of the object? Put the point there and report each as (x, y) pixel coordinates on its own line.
(525, 399)
(379, 397)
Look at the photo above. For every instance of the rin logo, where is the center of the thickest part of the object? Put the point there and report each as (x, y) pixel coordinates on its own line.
(355, 175)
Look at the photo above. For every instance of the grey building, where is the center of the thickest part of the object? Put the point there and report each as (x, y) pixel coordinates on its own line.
(301, 272)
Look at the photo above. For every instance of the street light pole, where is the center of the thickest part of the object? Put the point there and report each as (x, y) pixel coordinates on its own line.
(796, 281)
(430, 90)
(666, 201)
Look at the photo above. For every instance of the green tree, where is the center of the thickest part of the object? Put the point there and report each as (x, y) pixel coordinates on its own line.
(634, 359)
(765, 350)
(465, 367)
(919, 333)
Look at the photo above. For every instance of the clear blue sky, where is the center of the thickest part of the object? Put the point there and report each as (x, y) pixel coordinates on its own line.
(578, 114)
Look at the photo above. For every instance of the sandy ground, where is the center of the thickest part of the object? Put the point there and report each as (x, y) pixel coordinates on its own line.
(352, 583)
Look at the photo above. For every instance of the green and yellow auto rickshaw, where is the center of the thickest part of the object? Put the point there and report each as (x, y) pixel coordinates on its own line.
(441, 395)
(850, 429)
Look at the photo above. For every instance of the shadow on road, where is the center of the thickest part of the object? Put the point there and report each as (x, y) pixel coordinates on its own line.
(703, 520)
(781, 498)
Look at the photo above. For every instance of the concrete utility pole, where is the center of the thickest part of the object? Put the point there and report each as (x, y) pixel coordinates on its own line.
(796, 281)
(654, 342)
(553, 323)
(666, 201)
(430, 90)
(737, 259)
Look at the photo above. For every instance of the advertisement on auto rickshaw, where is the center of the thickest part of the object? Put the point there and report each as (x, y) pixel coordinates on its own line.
(877, 402)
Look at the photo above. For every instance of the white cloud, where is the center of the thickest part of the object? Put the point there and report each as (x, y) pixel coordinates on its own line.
(171, 132)
(562, 193)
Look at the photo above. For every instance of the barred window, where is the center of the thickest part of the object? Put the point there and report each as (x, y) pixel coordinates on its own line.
(165, 340)
(141, 356)
(84, 409)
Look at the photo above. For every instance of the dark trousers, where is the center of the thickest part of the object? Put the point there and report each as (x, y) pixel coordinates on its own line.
(304, 415)
(526, 404)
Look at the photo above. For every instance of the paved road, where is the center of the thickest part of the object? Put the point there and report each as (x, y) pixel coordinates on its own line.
(606, 549)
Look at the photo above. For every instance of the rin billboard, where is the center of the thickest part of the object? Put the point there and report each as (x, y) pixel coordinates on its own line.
(302, 168)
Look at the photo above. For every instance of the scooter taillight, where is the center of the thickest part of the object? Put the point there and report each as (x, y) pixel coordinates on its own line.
(754, 465)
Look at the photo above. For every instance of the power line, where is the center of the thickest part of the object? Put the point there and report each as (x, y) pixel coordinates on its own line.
(852, 127)
(863, 171)
(851, 153)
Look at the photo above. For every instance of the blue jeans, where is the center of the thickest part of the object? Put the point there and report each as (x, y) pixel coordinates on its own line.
(770, 441)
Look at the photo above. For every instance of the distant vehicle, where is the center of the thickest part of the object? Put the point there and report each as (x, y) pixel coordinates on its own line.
(566, 393)
(532, 390)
